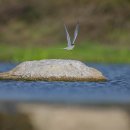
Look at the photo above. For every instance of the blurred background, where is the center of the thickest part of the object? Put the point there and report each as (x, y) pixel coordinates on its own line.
(34, 30)
(31, 29)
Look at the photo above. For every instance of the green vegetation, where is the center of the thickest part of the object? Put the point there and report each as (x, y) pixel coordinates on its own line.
(85, 52)
(25, 24)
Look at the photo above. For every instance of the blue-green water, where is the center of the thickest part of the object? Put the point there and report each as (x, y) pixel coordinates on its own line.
(115, 90)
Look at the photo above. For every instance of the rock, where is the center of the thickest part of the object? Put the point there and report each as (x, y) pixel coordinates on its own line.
(53, 70)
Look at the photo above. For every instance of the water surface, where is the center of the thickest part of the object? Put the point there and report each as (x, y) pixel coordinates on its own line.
(115, 90)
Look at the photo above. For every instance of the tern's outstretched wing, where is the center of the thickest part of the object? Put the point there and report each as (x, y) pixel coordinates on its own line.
(68, 36)
(76, 33)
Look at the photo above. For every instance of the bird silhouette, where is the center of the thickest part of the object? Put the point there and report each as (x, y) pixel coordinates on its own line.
(71, 44)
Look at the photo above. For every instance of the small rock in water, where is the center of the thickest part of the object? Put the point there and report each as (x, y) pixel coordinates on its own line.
(53, 70)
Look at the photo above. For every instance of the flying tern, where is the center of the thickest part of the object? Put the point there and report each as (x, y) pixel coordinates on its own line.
(71, 44)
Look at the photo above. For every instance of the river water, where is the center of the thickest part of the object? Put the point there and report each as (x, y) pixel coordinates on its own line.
(115, 90)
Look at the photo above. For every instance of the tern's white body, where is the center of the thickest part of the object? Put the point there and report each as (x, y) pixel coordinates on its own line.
(69, 48)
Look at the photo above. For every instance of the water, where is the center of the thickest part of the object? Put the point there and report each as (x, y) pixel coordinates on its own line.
(115, 90)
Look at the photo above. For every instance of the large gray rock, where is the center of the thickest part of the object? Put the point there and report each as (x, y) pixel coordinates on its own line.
(53, 70)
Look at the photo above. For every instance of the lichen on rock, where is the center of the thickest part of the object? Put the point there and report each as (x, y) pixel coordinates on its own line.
(53, 70)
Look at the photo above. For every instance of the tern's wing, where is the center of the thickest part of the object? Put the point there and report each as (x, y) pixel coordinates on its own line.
(68, 36)
(76, 33)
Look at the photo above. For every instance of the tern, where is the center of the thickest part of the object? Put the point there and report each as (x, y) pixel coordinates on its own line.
(71, 44)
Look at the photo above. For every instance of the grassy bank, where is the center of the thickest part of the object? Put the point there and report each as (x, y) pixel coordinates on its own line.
(85, 52)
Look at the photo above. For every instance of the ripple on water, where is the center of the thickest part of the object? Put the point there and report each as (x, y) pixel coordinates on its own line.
(116, 89)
